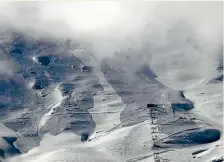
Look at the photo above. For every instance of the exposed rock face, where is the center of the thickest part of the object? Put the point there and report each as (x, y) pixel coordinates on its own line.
(44, 60)
(44, 69)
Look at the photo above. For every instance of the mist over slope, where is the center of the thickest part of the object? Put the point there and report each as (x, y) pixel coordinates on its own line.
(76, 79)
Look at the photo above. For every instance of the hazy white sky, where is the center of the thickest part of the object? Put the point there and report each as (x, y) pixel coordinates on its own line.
(189, 32)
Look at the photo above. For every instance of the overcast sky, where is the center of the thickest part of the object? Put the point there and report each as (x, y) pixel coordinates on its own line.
(188, 32)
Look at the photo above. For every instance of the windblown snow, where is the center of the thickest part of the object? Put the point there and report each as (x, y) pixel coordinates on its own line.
(127, 90)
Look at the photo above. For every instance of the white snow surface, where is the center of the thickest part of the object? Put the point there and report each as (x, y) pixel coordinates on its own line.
(83, 99)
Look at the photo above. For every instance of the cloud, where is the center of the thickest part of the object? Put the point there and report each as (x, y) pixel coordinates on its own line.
(169, 35)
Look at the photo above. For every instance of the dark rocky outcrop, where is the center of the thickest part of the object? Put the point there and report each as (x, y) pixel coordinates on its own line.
(44, 60)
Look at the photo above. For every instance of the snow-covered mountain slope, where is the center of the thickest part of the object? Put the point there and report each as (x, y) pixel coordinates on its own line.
(111, 81)
(65, 105)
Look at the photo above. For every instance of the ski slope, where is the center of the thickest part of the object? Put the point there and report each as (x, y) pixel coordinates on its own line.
(125, 89)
